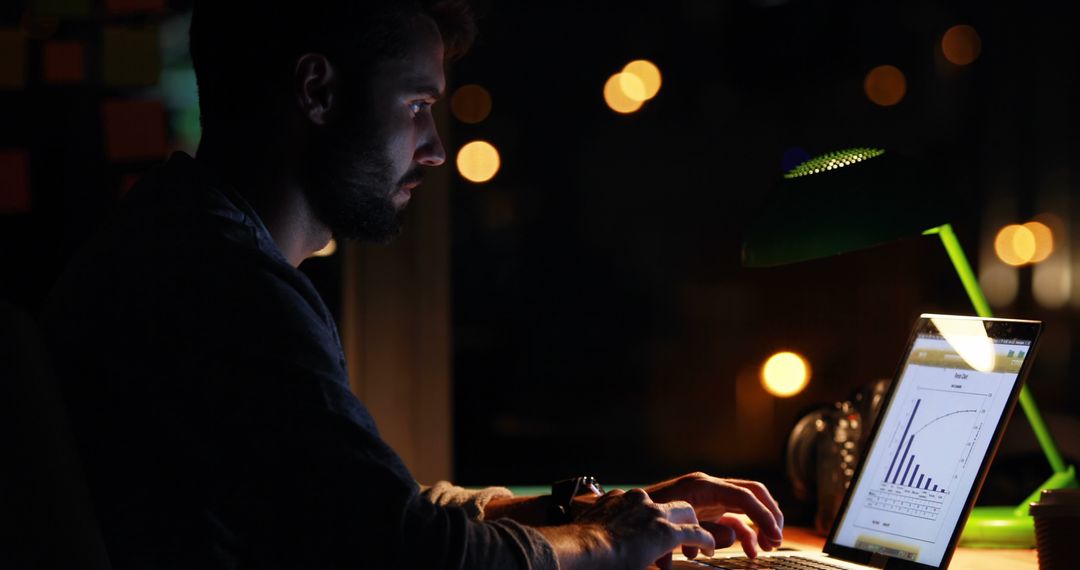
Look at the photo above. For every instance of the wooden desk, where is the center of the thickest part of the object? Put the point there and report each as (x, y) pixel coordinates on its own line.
(964, 559)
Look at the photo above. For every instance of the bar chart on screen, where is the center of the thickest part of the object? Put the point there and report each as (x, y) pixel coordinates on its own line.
(926, 449)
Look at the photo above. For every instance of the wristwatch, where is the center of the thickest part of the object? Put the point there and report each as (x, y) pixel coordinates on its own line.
(563, 493)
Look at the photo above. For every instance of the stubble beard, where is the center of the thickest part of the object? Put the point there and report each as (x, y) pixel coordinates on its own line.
(351, 185)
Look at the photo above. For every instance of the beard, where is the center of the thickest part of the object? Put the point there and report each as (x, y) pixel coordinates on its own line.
(351, 184)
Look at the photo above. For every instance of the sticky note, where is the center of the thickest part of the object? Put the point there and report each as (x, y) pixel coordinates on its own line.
(12, 58)
(134, 129)
(63, 62)
(65, 8)
(14, 181)
(134, 6)
(131, 56)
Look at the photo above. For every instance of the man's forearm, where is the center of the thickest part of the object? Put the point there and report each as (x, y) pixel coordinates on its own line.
(577, 546)
(531, 511)
(580, 546)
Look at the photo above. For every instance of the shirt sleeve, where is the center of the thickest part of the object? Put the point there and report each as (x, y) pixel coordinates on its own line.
(303, 478)
(474, 501)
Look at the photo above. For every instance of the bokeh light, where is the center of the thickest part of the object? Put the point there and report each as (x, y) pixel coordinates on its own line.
(648, 75)
(327, 250)
(478, 161)
(1022, 244)
(615, 93)
(1003, 245)
(785, 374)
(1044, 241)
(885, 85)
(1000, 283)
(961, 44)
(471, 103)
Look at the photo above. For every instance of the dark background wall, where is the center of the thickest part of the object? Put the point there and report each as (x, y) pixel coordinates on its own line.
(602, 322)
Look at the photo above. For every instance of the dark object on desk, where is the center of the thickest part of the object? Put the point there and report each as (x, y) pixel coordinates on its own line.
(825, 446)
(1057, 525)
(46, 520)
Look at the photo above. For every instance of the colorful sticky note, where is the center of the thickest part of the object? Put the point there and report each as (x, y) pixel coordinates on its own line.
(134, 6)
(14, 181)
(134, 129)
(12, 58)
(64, 8)
(63, 62)
(132, 56)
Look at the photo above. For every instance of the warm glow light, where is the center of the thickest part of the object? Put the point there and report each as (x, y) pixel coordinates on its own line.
(1044, 241)
(471, 103)
(968, 337)
(478, 161)
(632, 87)
(327, 249)
(885, 85)
(961, 44)
(1015, 244)
(785, 374)
(615, 93)
(649, 76)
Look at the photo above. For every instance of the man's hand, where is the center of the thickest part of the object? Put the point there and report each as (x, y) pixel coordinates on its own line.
(627, 531)
(713, 498)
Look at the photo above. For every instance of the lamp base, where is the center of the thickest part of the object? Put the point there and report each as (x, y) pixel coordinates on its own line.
(998, 527)
(1010, 527)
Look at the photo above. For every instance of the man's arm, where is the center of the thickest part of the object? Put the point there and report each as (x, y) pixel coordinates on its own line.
(626, 530)
(712, 498)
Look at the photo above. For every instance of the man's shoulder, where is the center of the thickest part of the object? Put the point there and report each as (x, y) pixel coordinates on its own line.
(184, 259)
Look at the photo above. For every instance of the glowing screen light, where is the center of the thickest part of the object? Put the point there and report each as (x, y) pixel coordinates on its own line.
(785, 374)
(885, 85)
(471, 103)
(647, 74)
(961, 45)
(968, 337)
(478, 161)
(615, 93)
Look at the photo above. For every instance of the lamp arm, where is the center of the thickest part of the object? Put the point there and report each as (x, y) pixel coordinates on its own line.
(982, 308)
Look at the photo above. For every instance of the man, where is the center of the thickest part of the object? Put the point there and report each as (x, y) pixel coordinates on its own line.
(204, 375)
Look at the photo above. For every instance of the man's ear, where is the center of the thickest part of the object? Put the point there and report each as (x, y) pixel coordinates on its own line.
(316, 88)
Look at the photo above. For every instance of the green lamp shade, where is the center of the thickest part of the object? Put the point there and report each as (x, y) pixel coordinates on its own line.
(845, 201)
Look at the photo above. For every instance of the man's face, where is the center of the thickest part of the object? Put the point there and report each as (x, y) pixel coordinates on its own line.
(364, 166)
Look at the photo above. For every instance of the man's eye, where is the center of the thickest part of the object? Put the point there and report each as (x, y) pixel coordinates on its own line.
(417, 106)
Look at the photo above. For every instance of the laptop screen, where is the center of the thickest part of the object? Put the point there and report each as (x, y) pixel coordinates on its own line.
(952, 393)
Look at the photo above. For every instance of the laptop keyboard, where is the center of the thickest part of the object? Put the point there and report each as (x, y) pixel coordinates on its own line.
(774, 562)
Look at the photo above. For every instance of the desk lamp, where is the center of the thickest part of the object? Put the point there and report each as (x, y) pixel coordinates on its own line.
(857, 198)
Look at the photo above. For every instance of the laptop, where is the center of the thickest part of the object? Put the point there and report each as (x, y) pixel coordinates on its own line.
(928, 454)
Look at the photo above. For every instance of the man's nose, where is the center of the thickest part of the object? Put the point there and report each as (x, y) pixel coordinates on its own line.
(431, 152)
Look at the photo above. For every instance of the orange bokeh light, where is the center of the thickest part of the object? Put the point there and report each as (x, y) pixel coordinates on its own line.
(885, 85)
(961, 44)
(471, 103)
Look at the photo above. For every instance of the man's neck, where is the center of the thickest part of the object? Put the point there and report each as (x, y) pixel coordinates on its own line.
(268, 182)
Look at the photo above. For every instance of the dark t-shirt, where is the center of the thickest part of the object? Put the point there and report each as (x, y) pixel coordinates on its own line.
(210, 403)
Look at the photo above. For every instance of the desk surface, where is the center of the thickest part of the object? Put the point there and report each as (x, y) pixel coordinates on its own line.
(964, 559)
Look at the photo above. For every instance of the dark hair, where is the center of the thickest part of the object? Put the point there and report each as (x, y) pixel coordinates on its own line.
(243, 50)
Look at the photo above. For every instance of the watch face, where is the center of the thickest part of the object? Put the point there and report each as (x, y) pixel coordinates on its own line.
(589, 485)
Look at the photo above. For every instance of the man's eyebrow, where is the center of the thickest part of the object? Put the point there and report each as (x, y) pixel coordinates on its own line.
(429, 90)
